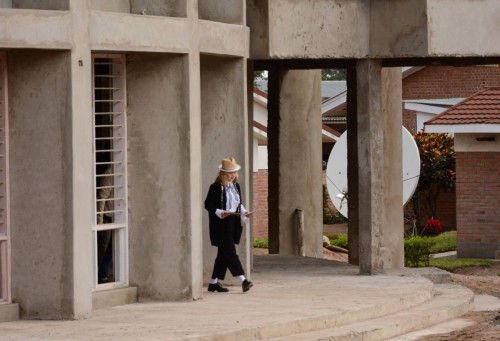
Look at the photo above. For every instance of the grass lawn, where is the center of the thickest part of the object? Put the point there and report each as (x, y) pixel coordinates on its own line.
(451, 264)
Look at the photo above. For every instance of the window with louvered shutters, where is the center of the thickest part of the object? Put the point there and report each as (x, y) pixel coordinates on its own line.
(110, 165)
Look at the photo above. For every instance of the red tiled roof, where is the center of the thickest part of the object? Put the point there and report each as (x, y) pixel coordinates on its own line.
(259, 92)
(260, 126)
(331, 130)
(480, 108)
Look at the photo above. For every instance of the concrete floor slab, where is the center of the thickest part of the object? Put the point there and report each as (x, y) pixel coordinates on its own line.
(290, 295)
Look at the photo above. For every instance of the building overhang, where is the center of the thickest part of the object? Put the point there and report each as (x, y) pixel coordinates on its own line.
(462, 128)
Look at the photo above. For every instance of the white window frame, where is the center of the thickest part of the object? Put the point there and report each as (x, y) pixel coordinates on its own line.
(119, 226)
(5, 266)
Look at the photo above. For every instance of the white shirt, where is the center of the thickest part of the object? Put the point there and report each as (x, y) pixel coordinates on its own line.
(232, 203)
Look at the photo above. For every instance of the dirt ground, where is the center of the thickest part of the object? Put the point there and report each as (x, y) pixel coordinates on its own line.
(481, 280)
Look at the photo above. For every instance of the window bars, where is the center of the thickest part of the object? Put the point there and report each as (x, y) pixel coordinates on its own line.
(110, 168)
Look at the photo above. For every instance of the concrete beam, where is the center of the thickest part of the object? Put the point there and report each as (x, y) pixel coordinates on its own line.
(463, 27)
(223, 39)
(117, 32)
(313, 29)
(23, 28)
(318, 29)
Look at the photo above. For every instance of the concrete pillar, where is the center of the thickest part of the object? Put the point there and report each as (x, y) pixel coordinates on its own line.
(294, 140)
(80, 183)
(195, 159)
(352, 165)
(380, 167)
(161, 252)
(51, 177)
(224, 125)
(40, 183)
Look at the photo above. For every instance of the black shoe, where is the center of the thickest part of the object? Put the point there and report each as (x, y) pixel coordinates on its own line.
(217, 287)
(246, 285)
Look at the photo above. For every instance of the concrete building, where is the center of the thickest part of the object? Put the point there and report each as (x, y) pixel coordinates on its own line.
(157, 91)
(154, 89)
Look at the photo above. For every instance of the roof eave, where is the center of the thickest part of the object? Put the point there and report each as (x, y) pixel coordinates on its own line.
(462, 128)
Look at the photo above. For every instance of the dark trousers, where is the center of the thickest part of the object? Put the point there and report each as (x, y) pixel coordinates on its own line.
(226, 252)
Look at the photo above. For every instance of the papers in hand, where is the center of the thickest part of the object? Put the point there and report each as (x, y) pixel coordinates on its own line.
(239, 213)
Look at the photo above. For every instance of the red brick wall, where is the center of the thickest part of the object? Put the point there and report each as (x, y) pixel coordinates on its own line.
(478, 203)
(445, 209)
(260, 190)
(434, 82)
(410, 120)
(449, 82)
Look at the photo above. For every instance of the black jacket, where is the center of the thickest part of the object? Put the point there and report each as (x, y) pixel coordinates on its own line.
(216, 199)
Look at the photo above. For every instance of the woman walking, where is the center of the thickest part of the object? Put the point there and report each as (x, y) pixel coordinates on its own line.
(226, 214)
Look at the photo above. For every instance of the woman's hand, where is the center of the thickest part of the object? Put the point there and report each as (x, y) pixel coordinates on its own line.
(225, 214)
(248, 214)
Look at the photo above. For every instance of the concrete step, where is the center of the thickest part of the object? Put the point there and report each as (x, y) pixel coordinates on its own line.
(449, 301)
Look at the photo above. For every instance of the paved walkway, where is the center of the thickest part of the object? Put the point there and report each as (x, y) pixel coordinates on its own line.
(289, 293)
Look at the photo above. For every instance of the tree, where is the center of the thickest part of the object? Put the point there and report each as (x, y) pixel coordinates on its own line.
(437, 167)
(259, 75)
(333, 74)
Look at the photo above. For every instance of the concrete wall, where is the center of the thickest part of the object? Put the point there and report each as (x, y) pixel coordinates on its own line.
(223, 122)
(41, 244)
(227, 11)
(167, 8)
(159, 202)
(257, 19)
(121, 6)
(60, 5)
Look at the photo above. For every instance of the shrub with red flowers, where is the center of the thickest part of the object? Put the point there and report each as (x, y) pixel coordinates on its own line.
(437, 168)
(432, 226)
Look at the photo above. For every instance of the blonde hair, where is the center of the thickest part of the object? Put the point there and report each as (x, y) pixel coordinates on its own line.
(222, 178)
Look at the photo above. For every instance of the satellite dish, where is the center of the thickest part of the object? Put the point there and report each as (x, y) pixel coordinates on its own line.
(336, 171)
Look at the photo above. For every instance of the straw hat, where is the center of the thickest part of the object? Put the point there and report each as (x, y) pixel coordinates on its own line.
(229, 165)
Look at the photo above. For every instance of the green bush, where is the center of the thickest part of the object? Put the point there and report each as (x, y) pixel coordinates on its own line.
(417, 251)
(338, 240)
(443, 242)
(262, 243)
(330, 216)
